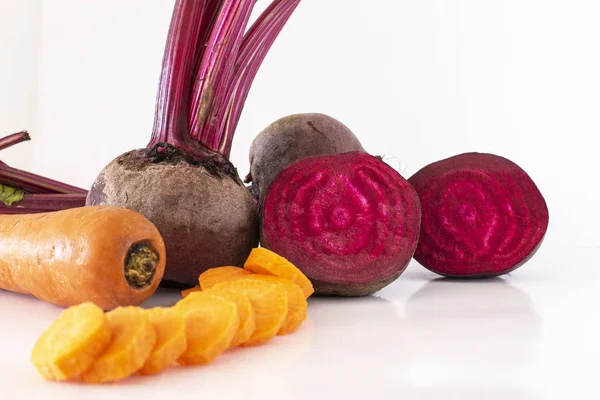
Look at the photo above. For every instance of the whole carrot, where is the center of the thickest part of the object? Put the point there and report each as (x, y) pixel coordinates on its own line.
(106, 255)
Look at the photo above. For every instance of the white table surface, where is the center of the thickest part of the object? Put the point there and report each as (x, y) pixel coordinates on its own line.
(534, 334)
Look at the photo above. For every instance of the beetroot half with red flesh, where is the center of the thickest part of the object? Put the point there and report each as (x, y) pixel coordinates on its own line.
(482, 216)
(349, 221)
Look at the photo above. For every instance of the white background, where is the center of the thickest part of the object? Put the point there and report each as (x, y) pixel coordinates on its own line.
(417, 81)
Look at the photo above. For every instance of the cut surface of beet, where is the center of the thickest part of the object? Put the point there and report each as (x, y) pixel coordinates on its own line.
(482, 216)
(350, 222)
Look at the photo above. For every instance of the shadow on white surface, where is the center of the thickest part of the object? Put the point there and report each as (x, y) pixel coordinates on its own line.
(451, 339)
(467, 321)
(163, 297)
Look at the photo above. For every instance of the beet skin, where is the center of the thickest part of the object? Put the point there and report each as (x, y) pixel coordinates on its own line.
(293, 138)
(482, 216)
(349, 221)
(206, 217)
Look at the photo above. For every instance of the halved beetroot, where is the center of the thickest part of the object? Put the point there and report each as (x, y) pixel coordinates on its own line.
(482, 216)
(349, 222)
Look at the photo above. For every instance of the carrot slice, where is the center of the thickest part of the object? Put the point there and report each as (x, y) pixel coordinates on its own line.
(171, 339)
(266, 262)
(245, 312)
(212, 276)
(269, 302)
(186, 292)
(132, 343)
(211, 324)
(297, 305)
(72, 342)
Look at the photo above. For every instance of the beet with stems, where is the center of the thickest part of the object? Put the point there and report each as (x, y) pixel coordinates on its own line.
(293, 138)
(183, 181)
(482, 216)
(349, 221)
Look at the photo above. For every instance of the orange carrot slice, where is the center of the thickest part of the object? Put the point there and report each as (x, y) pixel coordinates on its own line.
(211, 324)
(269, 302)
(266, 262)
(72, 342)
(171, 339)
(186, 292)
(297, 305)
(245, 312)
(133, 339)
(212, 276)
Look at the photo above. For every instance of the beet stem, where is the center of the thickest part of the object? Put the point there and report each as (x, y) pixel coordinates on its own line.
(253, 51)
(208, 68)
(33, 183)
(190, 25)
(13, 139)
(39, 203)
(216, 69)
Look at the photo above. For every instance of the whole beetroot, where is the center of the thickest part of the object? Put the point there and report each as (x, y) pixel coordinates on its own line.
(349, 222)
(483, 216)
(293, 138)
(183, 180)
